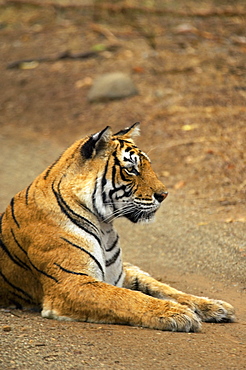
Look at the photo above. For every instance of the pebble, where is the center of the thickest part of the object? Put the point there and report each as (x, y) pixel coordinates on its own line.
(111, 86)
(7, 328)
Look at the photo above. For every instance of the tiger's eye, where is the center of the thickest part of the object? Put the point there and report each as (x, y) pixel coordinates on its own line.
(131, 170)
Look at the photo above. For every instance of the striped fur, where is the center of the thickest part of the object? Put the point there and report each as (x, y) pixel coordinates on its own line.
(60, 252)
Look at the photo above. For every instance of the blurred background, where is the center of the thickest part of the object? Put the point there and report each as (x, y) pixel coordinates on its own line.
(186, 61)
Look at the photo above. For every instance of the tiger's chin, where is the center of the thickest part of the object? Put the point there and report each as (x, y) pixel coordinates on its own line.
(141, 218)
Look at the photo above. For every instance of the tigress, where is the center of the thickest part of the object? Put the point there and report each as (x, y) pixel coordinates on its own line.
(60, 252)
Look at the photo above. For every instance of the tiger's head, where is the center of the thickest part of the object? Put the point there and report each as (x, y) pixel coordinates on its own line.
(122, 180)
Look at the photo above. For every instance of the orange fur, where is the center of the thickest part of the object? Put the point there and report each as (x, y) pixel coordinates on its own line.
(60, 252)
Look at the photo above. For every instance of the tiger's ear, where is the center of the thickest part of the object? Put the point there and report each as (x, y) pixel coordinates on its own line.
(97, 143)
(130, 132)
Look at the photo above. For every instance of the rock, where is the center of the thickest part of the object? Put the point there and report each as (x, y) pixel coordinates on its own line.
(7, 328)
(112, 86)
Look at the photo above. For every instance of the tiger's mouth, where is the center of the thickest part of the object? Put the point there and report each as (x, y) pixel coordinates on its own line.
(141, 215)
(133, 210)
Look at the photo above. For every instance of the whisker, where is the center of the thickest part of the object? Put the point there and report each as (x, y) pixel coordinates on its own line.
(120, 212)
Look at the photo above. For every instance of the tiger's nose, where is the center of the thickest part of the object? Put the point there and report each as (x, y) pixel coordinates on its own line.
(161, 196)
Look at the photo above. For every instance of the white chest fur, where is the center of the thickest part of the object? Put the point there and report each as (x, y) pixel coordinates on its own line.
(105, 262)
(112, 255)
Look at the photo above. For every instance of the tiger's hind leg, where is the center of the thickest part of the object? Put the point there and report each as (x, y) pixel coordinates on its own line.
(209, 310)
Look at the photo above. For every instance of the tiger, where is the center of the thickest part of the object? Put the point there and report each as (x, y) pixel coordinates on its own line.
(60, 253)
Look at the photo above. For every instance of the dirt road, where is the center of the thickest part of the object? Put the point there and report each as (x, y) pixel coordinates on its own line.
(192, 108)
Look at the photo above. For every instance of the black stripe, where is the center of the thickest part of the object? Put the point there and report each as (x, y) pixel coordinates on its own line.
(21, 263)
(94, 201)
(135, 284)
(113, 259)
(104, 181)
(117, 163)
(44, 273)
(23, 250)
(86, 251)
(112, 191)
(128, 160)
(148, 200)
(16, 241)
(1, 219)
(13, 258)
(147, 291)
(16, 260)
(27, 193)
(122, 143)
(126, 193)
(14, 301)
(113, 245)
(102, 192)
(50, 168)
(13, 213)
(69, 271)
(119, 277)
(78, 220)
(15, 287)
(86, 209)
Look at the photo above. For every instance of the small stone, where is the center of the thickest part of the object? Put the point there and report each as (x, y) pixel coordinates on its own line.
(112, 86)
(7, 328)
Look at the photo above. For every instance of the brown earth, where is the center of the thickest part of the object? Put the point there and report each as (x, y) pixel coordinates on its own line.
(188, 64)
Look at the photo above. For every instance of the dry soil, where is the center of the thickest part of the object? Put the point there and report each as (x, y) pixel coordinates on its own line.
(188, 63)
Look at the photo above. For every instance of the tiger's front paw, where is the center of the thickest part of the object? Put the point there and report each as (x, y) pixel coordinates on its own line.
(210, 310)
(173, 317)
(187, 321)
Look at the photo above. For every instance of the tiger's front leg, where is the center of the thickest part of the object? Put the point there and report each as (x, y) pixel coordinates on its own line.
(90, 300)
(98, 302)
(209, 310)
(72, 294)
